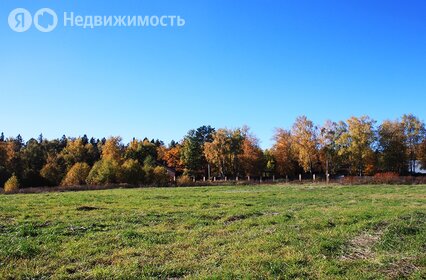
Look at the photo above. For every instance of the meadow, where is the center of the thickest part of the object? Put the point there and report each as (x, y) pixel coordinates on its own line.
(232, 232)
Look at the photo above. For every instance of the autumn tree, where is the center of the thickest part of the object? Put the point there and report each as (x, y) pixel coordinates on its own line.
(160, 176)
(12, 184)
(132, 172)
(414, 131)
(112, 149)
(54, 147)
(393, 151)
(104, 172)
(141, 149)
(77, 175)
(74, 152)
(251, 159)
(108, 169)
(79, 150)
(14, 163)
(328, 137)
(54, 170)
(172, 158)
(304, 135)
(217, 151)
(224, 151)
(356, 144)
(284, 153)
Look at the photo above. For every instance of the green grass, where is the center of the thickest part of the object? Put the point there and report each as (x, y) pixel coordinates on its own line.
(244, 232)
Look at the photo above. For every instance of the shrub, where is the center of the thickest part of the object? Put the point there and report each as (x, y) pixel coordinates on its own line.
(160, 176)
(77, 175)
(131, 172)
(149, 174)
(104, 172)
(386, 178)
(12, 185)
(184, 180)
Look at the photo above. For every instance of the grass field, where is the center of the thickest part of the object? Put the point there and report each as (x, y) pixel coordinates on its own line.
(249, 232)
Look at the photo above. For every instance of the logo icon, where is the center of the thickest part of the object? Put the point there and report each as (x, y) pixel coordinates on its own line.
(45, 20)
(20, 20)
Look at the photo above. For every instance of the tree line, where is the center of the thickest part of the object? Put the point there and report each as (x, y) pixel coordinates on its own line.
(357, 146)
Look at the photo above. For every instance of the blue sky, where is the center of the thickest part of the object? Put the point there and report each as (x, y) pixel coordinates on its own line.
(260, 63)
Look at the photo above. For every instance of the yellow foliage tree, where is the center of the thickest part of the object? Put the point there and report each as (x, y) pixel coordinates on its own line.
(305, 139)
(356, 144)
(172, 158)
(112, 149)
(12, 185)
(251, 159)
(284, 153)
(76, 175)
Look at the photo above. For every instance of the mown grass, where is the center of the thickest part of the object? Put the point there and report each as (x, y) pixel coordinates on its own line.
(244, 232)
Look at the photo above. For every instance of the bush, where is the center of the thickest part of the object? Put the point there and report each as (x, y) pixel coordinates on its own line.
(12, 185)
(77, 175)
(160, 176)
(104, 172)
(131, 172)
(184, 180)
(386, 178)
(149, 174)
